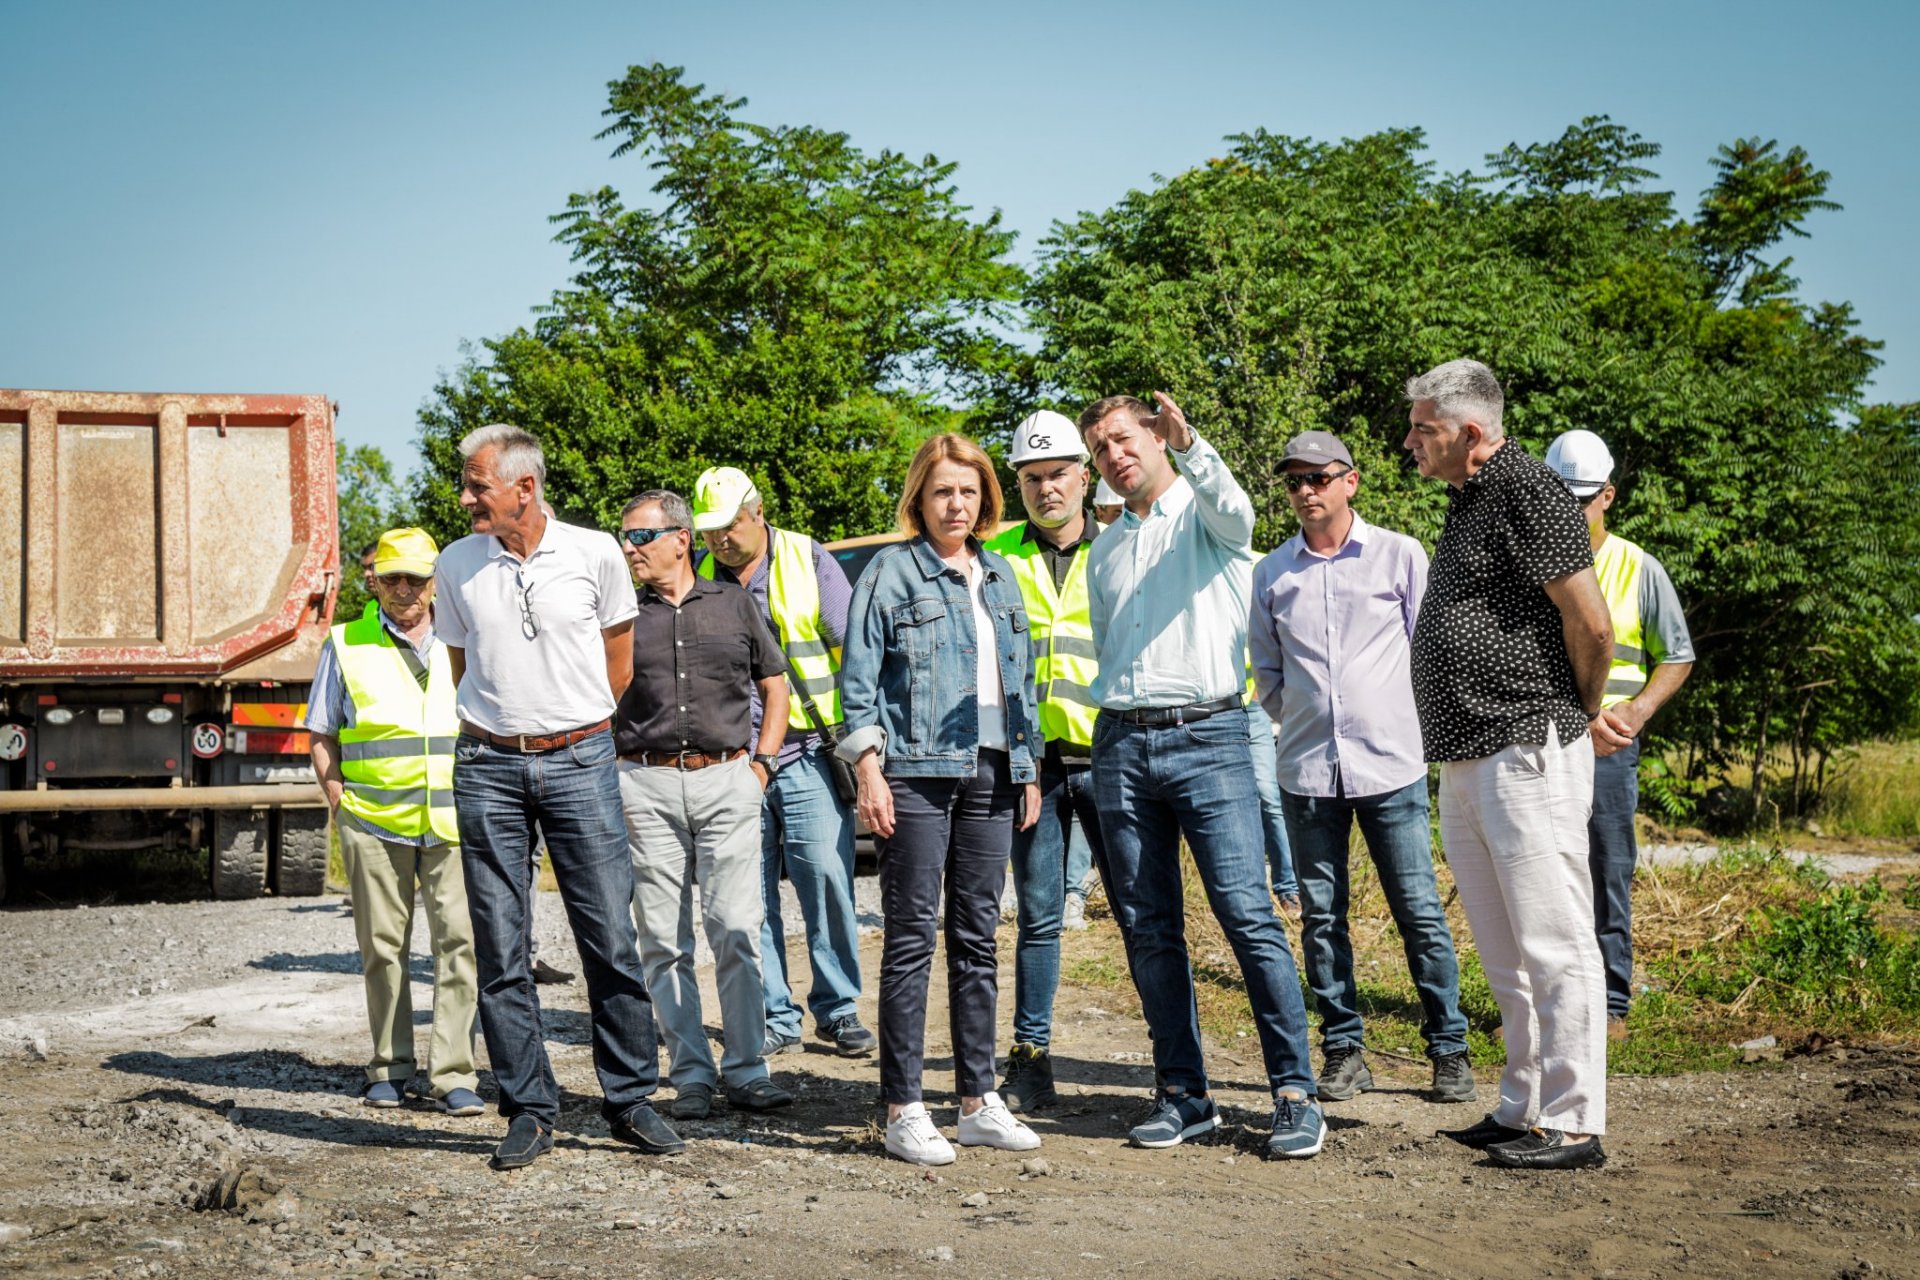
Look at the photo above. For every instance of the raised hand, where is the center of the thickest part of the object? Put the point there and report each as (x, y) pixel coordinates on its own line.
(1170, 424)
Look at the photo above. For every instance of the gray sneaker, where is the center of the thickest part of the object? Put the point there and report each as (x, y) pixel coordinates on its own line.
(1175, 1118)
(1344, 1073)
(1299, 1128)
(1452, 1078)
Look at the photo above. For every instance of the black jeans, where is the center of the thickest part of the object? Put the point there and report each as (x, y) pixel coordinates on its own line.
(953, 833)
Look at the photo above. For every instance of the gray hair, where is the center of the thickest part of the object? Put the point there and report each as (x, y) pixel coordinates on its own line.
(674, 507)
(518, 453)
(1462, 389)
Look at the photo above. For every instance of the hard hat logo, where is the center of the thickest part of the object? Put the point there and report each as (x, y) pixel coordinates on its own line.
(1046, 435)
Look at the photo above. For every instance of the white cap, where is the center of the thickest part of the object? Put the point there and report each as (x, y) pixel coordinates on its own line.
(1582, 461)
(1104, 496)
(1046, 434)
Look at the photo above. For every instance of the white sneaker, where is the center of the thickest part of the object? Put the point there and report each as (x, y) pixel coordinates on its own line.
(1075, 915)
(994, 1126)
(913, 1137)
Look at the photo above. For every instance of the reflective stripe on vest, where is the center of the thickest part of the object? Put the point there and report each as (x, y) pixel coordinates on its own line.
(1618, 565)
(397, 757)
(1064, 658)
(793, 598)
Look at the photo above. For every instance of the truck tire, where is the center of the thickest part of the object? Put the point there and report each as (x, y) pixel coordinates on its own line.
(300, 853)
(238, 865)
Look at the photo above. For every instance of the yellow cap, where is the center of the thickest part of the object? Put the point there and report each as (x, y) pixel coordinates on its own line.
(405, 551)
(718, 495)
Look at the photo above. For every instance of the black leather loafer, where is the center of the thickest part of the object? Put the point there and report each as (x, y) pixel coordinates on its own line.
(526, 1141)
(1482, 1134)
(1548, 1149)
(642, 1127)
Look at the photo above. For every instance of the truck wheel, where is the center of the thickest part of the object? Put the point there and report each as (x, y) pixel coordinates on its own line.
(300, 853)
(239, 860)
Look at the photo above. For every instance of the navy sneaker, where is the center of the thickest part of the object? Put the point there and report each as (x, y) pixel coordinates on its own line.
(381, 1093)
(461, 1102)
(781, 1042)
(848, 1037)
(1299, 1128)
(1175, 1118)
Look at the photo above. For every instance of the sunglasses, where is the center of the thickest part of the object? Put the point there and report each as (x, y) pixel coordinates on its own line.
(641, 537)
(1313, 479)
(411, 579)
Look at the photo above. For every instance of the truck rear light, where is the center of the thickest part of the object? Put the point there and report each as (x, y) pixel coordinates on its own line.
(270, 741)
(159, 715)
(111, 715)
(58, 715)
(170, 697)
(47, 699)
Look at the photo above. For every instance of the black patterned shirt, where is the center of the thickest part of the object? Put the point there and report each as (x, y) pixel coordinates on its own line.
(1490, 666)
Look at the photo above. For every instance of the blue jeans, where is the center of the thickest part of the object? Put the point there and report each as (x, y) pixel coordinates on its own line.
(572, 795)
(1273, 819)
(1042, 871)
(1400, 842)
(1612, 852)
(1155, 784)
(804, 824)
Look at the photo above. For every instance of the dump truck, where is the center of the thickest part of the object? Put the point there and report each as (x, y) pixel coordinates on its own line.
(168, 576)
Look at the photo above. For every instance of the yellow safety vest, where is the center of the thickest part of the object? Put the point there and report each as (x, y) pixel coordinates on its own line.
(793, 598)
(1618, 565)
(1060, 622)
(397, 757)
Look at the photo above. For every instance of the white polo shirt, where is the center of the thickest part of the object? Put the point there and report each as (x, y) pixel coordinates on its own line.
(575, 585)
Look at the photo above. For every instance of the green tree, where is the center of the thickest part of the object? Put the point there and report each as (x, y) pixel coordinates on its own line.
(787, 303)
(372, 501)
(1294, 284)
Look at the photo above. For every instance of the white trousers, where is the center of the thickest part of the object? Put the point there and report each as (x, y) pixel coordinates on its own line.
(1514, 825)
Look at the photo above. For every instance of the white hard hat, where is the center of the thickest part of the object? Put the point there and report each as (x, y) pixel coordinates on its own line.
(1582, 461)
(1046, 434)
(1104, 496)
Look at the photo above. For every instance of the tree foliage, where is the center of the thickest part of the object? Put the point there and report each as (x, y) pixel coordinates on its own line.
(1293, 284)
(787, 303)
(372, 501)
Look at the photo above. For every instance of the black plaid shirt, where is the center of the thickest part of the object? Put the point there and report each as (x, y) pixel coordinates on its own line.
(1490, 665)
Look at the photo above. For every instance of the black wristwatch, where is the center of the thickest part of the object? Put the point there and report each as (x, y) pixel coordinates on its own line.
(770, 763)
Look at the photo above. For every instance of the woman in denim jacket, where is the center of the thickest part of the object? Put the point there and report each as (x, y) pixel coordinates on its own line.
(936, 681)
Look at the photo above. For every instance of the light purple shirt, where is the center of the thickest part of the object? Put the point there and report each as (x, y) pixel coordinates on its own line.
(1329, 637)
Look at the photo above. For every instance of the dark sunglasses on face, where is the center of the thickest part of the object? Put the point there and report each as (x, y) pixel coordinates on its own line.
(395, 579)
(1313, 479)
(641, 537)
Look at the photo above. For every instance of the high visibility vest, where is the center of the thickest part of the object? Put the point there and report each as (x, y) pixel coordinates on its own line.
(1060, 624)
(1618, 564)
(793, 598)
(397, 758)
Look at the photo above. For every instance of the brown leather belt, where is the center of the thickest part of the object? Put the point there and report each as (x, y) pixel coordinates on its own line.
(684, 759)
(532, 742)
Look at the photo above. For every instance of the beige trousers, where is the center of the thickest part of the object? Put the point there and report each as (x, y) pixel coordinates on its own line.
(1514, 825)
(382, 875)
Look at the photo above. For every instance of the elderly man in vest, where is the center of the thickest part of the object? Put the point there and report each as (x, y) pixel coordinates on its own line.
(1048, 552)
(383, 723)
(1652, 657)
(805, 823)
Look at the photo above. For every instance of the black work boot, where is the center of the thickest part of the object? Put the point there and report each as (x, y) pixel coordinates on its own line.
(1029, 1082)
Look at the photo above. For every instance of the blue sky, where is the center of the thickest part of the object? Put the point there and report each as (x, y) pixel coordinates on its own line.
(266, 197)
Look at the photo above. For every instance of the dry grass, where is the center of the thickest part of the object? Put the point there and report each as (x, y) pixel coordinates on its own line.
(1709, 973)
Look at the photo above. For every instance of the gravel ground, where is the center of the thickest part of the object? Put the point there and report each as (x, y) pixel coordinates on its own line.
(177, 1099)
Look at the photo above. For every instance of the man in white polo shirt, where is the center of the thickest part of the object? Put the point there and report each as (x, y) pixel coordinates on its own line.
(537, 617)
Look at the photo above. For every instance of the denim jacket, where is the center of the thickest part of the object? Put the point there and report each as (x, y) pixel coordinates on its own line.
(907, 670)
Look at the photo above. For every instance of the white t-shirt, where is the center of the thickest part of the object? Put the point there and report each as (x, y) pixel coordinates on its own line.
(574, 585)
(986, 674)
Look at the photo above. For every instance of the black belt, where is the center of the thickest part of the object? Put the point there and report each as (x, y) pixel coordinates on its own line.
(1189, 714)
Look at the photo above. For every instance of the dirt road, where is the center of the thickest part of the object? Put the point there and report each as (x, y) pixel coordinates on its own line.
(188, 1041)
